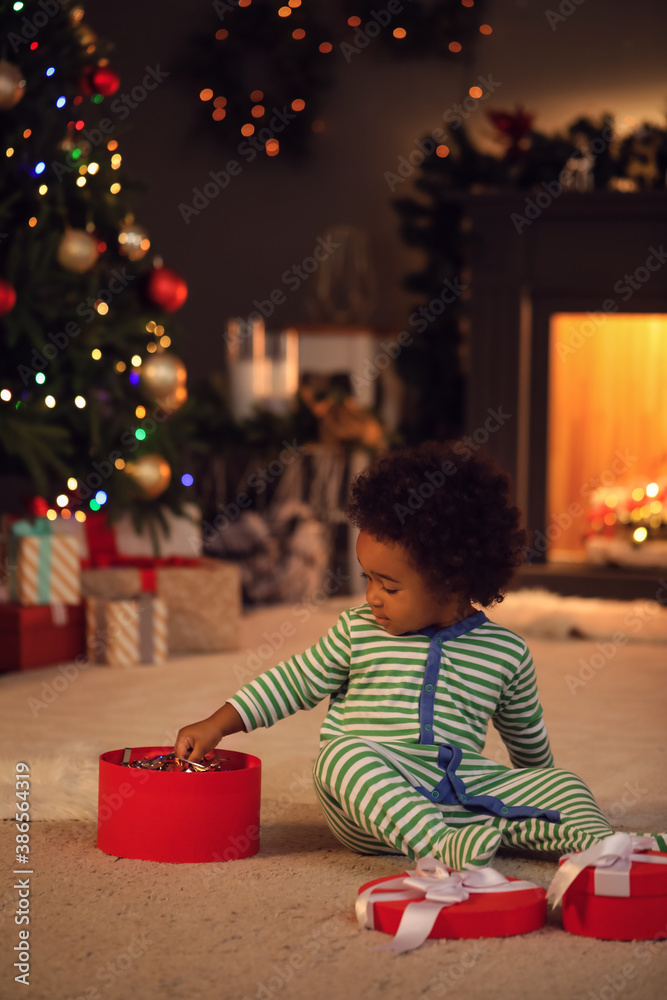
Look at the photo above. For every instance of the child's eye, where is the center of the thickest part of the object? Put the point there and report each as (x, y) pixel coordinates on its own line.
(387, 591)
(364, 576)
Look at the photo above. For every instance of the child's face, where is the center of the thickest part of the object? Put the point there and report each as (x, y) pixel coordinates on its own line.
(396, 592)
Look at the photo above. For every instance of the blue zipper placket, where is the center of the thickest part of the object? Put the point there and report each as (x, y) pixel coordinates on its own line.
(451, 789)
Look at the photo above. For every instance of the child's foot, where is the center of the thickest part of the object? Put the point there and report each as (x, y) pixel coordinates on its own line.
(660, 838)
(470, 847)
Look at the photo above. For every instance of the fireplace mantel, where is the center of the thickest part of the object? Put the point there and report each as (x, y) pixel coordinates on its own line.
(568, 259)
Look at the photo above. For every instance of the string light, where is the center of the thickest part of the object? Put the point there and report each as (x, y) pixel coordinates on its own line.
(652, 490)
(399, 32)
(50, 402)
(120, 464)
(62, 500)
(187, 479)
(114, 189)
(42, 189)
(640, 534)
(79, 402)
(96, 354)
(51, 514)
(485, 29)
(136, 360)
(454, 46)
(152, 347)
(80, 515)
(140, 434)
(5, 395)
(40, 378)
(101, 497)
(165, 341)
(140, 412)
(66, 513)
(72, 483)
(120, 366)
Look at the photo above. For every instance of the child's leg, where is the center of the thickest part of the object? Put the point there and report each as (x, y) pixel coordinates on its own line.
(370, 806)
(582, 823)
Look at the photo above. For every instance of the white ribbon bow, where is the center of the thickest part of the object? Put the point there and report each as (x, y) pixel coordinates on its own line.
(612, 859)
(434, 886)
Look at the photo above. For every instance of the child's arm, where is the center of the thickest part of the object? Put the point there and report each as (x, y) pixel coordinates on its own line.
(518, 719)
(298, 683)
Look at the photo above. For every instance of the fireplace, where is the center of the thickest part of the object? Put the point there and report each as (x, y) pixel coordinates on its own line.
(568, 335)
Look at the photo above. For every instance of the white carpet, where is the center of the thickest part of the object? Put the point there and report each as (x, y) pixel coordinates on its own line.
(59, 719)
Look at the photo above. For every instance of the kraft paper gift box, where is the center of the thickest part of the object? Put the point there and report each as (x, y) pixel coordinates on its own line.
(435, 902)
(203, 600)
(45, 567)
(41, 635)
(124, 633)
(615, 890)
(178, 816)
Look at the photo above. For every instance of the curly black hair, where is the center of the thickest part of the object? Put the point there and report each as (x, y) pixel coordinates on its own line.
(449, 508)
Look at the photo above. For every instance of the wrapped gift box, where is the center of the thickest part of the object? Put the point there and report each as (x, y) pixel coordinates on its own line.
(623, 902)
(124, 633)
(178, 816)
(102, 542)
(45, 567)
(203, 600)
(491, 906)
(40, 636)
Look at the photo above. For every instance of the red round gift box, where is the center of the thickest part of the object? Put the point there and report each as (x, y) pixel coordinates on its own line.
(639, 917)
(483, 914)
(179, 816)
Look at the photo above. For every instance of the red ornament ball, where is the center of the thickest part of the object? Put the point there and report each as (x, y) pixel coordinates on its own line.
(7, 297)
(166, 289)
(104, 81)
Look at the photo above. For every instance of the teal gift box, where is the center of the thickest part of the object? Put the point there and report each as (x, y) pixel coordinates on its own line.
(44, 567)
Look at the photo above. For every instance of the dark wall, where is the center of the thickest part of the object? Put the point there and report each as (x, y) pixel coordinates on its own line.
(607, 55)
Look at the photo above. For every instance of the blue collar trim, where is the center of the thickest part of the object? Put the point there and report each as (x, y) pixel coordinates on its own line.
(456, 630)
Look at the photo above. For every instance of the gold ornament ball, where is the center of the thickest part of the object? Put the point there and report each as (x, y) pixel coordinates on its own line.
(12, 85)
(163, 377)
(133, 241)
(77, 250)
(151, 473)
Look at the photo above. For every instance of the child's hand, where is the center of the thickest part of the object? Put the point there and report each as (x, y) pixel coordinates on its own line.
(197, 739)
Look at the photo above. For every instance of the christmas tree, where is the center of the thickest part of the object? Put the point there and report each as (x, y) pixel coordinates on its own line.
(91, 398)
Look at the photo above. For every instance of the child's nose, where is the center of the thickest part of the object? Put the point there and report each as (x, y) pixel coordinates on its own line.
(373, 594)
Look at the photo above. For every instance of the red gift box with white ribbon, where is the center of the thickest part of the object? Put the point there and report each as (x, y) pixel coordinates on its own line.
(615, 890)
(435, 901)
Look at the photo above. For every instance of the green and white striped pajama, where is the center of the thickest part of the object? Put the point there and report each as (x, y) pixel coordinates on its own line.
(400, 767)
